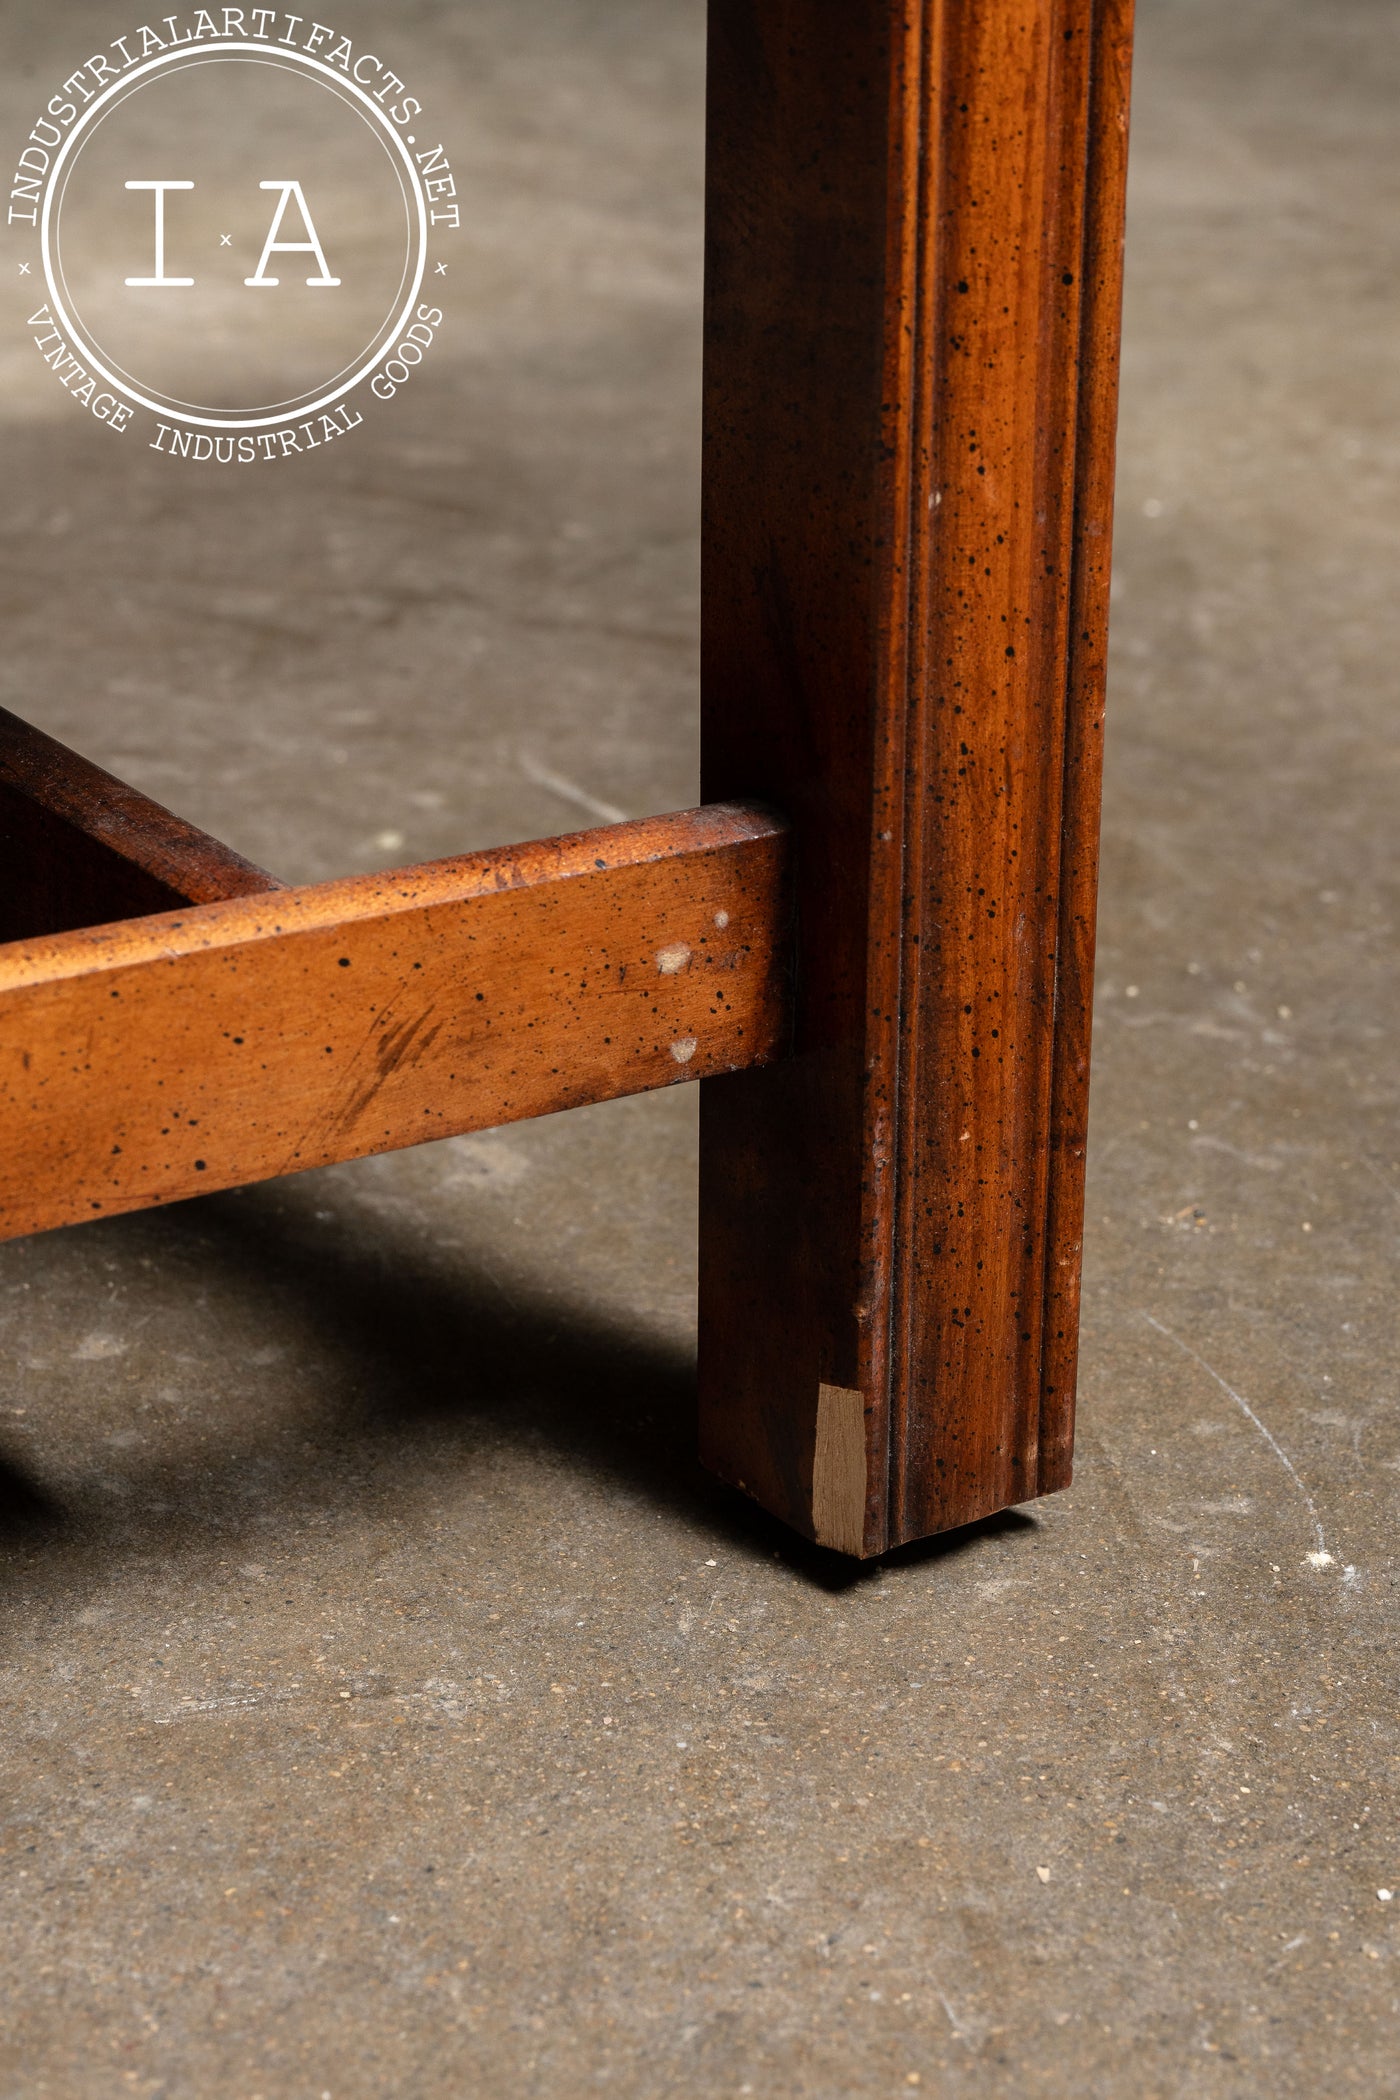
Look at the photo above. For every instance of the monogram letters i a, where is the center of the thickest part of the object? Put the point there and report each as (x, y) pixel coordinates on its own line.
(272, 246)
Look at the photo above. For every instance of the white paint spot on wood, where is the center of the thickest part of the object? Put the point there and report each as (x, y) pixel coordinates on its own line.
(721, 920)
(671, 961)
(685, 1049)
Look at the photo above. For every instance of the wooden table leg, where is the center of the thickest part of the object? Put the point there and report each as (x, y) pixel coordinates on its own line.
(914, 255)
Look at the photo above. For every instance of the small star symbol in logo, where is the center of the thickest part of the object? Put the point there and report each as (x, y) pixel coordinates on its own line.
(24, 269)
(442, 269)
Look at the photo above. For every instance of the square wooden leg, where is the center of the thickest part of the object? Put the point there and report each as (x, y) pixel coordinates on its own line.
(913, 284)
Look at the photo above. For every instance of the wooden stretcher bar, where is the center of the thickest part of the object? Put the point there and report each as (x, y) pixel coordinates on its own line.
(78, 845)
(167, 1055)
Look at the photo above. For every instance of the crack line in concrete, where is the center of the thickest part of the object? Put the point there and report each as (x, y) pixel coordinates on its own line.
(1323, 1556)
(568, 791)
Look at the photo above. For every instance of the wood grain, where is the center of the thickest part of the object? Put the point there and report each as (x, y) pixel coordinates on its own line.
(79, 847)
(166, 1056)
(914, 254)
(838, 1470)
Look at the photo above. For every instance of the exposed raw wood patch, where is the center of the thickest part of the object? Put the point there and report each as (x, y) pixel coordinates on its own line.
(838, 1470)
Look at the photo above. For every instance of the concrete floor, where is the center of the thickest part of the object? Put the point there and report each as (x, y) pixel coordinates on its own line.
(390, 1706)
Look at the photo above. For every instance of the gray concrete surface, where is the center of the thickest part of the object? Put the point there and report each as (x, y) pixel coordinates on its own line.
(391, 1709)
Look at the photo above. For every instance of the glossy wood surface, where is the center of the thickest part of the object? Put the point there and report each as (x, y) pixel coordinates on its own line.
(914, 252)
(166, 1056)
(78, 846)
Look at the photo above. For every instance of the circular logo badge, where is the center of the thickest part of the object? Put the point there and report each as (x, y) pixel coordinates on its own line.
(331, 244)
(234, 236)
